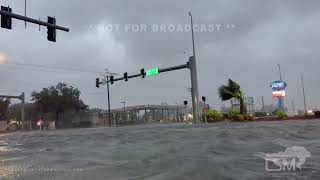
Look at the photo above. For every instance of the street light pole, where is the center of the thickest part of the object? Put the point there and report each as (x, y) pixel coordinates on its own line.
(194, 80)
(304, 95)
(280, 72)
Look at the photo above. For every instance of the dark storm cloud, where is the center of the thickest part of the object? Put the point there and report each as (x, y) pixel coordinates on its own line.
(265, 33)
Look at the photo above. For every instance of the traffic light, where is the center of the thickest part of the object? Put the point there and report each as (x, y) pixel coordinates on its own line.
(185, 103)
(97, 82)
(125, 76)
(204, 98)
(51, 31)
(143, 73)
(6, 21)
(111, 79)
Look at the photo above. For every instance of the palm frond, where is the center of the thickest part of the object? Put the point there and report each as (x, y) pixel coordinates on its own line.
(224, 93)
(233, 86)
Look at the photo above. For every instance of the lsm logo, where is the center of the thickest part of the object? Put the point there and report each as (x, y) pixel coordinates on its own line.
(288, 161)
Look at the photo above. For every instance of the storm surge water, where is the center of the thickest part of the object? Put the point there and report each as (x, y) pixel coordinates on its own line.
(174, 151)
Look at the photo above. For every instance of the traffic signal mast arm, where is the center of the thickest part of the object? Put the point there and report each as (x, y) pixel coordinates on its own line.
(35, 21)
(129, 77)
(12, 97)
(184, 66)
(174, 68)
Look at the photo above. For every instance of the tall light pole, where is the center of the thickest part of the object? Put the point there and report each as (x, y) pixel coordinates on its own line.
(304, 95)
(194, 79)
(280, 72)
(280, 99)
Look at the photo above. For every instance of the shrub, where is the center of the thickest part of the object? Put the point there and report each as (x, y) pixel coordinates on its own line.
(212, 115)
(281, 114)
(248, 117)
(260, 114)
(317, 113)
(225, 116)
(238, 117)
(233, 114)
(243, 117)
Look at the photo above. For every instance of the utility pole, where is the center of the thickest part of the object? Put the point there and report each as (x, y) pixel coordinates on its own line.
(124, 105)
(304, 95)
(194, 79)
(262, 104)
(22, 98)
(107, 76)
(293, 107)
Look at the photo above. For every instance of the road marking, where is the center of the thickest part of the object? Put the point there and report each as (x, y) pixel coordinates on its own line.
(180, 130)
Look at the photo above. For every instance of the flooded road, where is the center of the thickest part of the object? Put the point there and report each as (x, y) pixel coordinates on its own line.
(175, 151)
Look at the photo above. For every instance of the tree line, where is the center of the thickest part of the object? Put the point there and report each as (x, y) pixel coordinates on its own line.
(54, 99)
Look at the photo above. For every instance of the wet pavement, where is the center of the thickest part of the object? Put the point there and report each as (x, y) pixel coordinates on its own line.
(172, 151)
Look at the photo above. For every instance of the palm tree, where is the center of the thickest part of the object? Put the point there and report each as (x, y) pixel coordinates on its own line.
(232, 90)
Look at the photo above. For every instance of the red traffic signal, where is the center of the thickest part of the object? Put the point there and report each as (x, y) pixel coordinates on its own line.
(143, 73)
(111, 79)
(51, 31)
(204, 98)
(6, 21)
(125, 76)
(97, 82)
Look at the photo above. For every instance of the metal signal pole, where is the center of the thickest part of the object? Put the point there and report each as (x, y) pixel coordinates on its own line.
(194, 79)
(109, 110)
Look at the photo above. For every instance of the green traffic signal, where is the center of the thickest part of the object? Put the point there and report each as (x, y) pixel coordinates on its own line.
(153, 71)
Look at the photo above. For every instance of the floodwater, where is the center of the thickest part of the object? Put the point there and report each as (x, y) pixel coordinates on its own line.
(173, 151)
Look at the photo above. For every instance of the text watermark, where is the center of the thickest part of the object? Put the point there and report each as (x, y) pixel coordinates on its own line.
(162, 28)
(290, 160)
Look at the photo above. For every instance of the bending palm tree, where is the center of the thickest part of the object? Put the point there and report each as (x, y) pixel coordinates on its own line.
(232, 90)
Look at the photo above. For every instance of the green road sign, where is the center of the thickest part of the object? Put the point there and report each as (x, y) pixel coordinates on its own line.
(153, 71)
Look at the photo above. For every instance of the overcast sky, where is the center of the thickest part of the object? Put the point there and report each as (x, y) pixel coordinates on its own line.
(256, 35)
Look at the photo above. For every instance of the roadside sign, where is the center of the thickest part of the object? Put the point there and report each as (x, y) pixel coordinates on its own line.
(153, 71)
(278, 85)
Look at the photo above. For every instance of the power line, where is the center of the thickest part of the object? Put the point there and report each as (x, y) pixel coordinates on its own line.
(30, 91)
(50, 67)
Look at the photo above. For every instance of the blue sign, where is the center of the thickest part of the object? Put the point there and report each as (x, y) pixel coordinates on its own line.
(278, 85)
